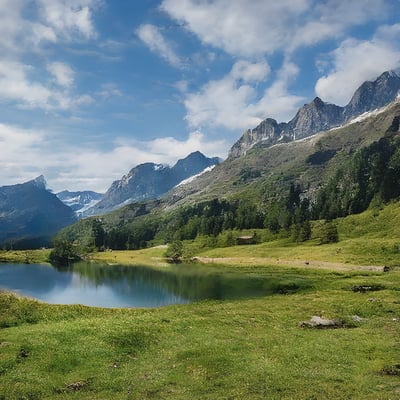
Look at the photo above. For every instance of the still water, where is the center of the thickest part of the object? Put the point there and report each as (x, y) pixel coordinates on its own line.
(127, 286)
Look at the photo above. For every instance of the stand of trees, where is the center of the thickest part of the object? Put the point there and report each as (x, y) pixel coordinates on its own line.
(371, 174)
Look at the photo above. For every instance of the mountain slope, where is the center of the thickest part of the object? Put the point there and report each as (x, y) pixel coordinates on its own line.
(150, 181)
(30, 213)
(269, 187)
(319, 116)
(266, 170)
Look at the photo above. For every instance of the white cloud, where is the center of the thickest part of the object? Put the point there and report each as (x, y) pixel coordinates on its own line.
(18, 153)
(151, 36)
(261, 27)
(23, 31)
(63, 73)
(277, 102)
(97, 169)
(10, 23)
(238, 27)
(233, 103)
(15, 86)
(68, 17)
(353, 63)
(27, 153)
(250, 72)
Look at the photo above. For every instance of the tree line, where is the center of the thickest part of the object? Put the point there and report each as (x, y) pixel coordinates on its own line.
(371, 175)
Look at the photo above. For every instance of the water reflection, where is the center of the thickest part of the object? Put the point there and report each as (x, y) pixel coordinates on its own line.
(127, 286)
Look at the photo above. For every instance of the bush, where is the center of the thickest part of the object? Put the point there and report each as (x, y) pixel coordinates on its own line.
(329, 233)
(174, 251)
(63, 253)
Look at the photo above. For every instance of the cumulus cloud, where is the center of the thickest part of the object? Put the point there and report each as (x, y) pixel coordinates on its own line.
(152, 37)
(225, 102)
(17, 145)
(17, 86)
(27, 153)
(238, 27)
(353, 63)
(28, 85)
(97, 169)
(233, 103)
(68, 17)
(277, 101)
(263, 27)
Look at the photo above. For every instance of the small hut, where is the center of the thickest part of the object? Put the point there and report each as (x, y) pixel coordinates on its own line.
(245, 239)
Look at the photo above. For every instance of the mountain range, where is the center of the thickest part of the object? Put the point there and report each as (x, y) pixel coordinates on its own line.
(261, 166)
(319, 116)
(150, 181)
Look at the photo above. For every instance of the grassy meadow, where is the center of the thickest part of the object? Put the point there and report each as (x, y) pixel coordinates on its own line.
(234, 349)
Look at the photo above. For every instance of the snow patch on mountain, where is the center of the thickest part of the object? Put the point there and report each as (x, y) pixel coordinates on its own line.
(193, 177)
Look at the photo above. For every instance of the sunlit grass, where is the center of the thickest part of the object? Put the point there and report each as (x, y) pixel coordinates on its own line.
(248, 349)
(242, 349)
(24, 256)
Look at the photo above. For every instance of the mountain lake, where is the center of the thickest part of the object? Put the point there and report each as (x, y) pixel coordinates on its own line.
(103, 285)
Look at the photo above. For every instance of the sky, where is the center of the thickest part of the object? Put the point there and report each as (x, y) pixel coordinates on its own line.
(91, 88)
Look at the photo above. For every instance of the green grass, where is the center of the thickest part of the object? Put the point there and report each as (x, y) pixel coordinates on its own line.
(248, 349)
(233, 349)
(25, 256)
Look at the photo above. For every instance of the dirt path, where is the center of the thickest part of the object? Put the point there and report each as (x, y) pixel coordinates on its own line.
(312, 264)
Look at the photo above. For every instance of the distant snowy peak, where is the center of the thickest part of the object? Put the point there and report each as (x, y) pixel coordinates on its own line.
(79, 201)
(150, 181)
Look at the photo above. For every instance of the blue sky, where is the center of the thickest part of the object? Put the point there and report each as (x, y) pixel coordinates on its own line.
(91, 88)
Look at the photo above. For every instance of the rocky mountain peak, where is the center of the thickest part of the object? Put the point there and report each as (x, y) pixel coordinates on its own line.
(318, 116)
(150, 181)
(373, 94)
(40, 182)
(317, 102)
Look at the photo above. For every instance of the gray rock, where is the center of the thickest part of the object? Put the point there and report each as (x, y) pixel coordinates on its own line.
(321, 323)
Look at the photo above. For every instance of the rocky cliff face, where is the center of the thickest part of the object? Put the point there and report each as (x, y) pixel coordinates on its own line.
(268, 131)
(150, 181)
(372, 95)
(319, 116)
(314, 117)
(30, 214)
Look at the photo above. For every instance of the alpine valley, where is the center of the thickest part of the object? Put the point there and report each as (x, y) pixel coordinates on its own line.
(327, 162)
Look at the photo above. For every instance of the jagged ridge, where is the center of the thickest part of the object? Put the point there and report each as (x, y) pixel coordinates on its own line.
(319, 116)
(150, 181)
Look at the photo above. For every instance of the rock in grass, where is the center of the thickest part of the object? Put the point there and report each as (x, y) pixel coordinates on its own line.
(393, 370)
(322, 323)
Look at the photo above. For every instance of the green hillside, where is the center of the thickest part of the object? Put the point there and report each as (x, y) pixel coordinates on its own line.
(280, 189)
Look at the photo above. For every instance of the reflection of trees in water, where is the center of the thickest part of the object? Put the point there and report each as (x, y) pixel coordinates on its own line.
(192, 282)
